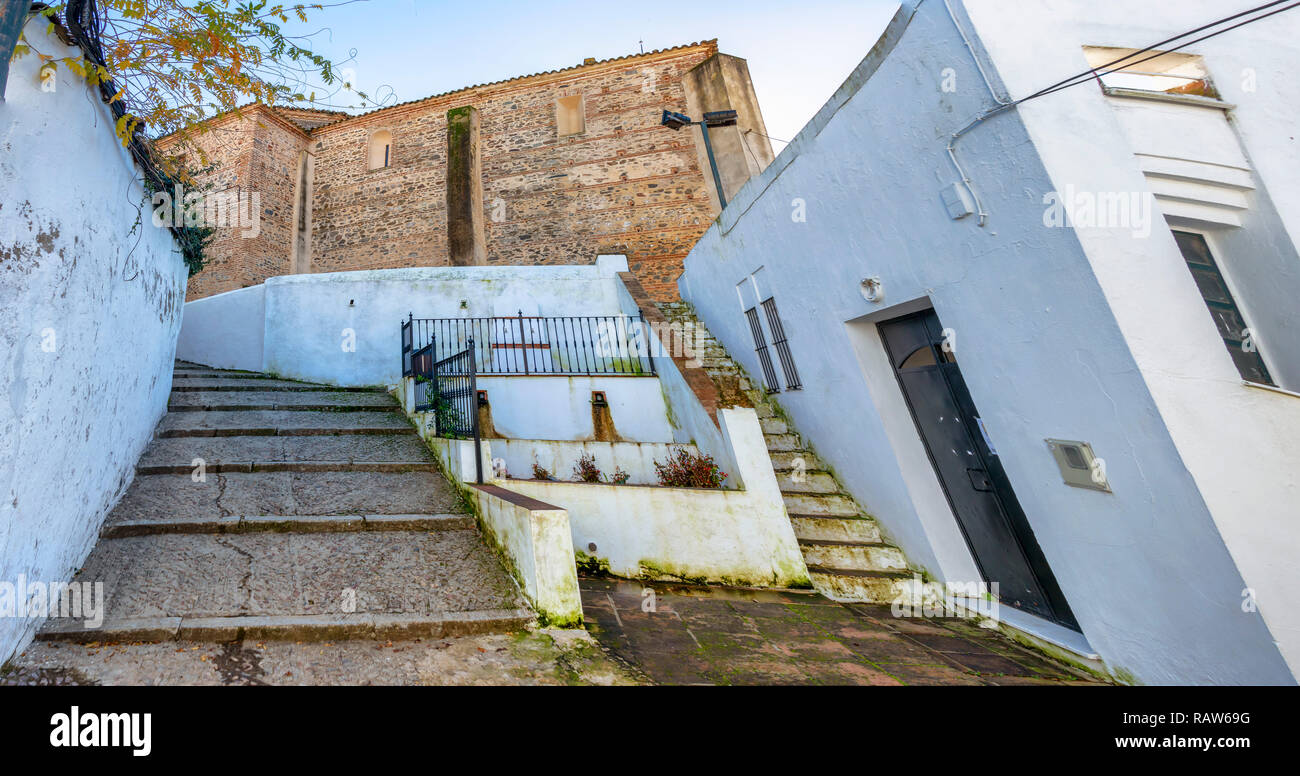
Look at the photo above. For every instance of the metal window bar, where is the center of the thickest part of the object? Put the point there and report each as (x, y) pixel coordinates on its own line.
(760, 347)
(543, 345)
(782, 345)
(456, 410)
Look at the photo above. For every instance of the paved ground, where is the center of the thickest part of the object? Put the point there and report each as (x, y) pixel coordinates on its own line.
(525, 658)
(733, 637)
(692, 636)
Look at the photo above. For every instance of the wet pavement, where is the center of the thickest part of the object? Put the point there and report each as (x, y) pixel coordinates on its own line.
(693, 635)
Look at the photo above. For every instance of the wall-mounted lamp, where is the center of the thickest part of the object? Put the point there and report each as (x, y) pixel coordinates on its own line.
(872, 289)
(715, 119)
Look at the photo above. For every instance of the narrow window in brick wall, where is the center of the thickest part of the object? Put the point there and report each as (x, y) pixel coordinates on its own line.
(381, 149)
(569, 118)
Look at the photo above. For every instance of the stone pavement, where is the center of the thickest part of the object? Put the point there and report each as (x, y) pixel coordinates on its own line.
(694, 636)
(723, 636)
(544, 657)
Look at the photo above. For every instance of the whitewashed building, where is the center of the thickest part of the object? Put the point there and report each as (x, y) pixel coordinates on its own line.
(1052, 342)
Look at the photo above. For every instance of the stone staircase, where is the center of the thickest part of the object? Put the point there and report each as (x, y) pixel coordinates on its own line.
(276, 510)
(847, 556)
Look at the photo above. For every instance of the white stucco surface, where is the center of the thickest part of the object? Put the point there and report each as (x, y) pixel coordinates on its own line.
(559, 458)
(225, 331)
(342, 328)
(729, 536)
(1059, 333)
(89, 312)
(1238, 443)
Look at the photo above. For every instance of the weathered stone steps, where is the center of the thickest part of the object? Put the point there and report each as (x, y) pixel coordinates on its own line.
(280, 423)
(282, 524)
(259, 384)
(294, 401)
(855, 557)
(172, 452)
(291, 493)
(844, 549)
(296, 586)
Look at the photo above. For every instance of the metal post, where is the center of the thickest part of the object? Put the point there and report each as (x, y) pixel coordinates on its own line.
(523, 341)
(473, 403)
(649, 342)
(713, 163)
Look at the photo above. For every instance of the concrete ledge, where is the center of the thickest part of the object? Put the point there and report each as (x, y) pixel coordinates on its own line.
(311, 627)
(275, 523)
(276, 408)
(245, 467)
(535, 541)
(174, 433)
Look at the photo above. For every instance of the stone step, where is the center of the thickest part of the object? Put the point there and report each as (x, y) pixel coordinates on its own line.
(789, 460)
(796, 481)
(296, 401)
(217, 495)
(847, 585)
(243, 450)
(833, 505)
(236, 467)
(285, 524)
(258, 384)
(195, 373)
(774, 425)
(838, 529)
(782, 442)
(281, 423)
(856, 557)
(296, 586)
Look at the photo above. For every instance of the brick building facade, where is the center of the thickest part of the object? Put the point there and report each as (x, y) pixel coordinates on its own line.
(552, 168)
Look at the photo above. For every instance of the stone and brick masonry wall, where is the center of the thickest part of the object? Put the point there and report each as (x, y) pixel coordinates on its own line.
(623, 185)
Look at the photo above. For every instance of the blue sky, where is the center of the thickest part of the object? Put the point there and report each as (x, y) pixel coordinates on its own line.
(798, 52)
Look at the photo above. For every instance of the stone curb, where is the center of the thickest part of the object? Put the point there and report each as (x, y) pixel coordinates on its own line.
(248, 467)
(176, 433)
(310, 627)
(290, 524)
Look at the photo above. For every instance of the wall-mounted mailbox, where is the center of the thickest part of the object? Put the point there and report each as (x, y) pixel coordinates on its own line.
(1080, 467)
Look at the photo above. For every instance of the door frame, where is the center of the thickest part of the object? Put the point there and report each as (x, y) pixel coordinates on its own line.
(1004, 489)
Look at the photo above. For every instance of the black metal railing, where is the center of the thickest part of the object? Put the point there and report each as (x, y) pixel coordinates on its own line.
(421, 367)
(449, 389)
(539, 345)
(760, 347)
(782, 345)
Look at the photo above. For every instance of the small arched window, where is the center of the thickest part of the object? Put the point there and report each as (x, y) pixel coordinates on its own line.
(381, 149)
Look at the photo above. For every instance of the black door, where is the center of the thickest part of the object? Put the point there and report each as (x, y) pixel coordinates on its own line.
(977, 487)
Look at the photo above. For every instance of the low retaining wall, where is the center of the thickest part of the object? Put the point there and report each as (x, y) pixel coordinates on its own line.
(532, 537)
(536, 540)
(558, 458)
(739, 537)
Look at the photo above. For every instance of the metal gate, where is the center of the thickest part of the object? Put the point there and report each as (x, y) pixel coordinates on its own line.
(454, 395)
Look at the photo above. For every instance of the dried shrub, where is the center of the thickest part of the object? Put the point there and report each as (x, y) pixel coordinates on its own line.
(586, 470)
(685, 469)
(539, 473)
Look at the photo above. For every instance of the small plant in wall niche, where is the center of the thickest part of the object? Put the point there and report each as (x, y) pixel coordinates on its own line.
(540, 472)
(619, 477)
(586, 470)
(685, 469)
